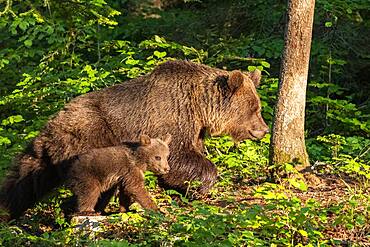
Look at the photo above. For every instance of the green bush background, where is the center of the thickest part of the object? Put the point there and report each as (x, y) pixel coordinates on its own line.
(52, 51)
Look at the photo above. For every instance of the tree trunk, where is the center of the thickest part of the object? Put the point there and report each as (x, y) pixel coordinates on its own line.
(287, 140)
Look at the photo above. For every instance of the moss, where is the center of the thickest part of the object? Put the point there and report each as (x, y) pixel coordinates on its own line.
(279, 157)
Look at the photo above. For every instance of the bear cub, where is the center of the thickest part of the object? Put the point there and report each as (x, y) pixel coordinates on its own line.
(94, 177)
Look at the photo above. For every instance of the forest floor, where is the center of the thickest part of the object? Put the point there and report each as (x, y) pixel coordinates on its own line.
(334, 213)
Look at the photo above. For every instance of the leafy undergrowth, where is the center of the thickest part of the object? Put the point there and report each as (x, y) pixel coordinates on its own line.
(245, 208)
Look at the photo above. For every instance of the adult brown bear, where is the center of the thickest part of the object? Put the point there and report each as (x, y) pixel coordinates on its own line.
(181, 98)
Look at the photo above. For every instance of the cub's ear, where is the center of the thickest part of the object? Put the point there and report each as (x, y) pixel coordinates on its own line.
(145, 140)
(235, 80)
(255, 77)
(167, 138)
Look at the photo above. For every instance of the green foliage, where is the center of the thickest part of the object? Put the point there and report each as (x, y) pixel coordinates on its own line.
(337, 154)
(52, 51)
(338, 115)
(235, 163)
(238, 213)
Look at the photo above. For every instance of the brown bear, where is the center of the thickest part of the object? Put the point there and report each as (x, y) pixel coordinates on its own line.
(100, 171)
(185, 99)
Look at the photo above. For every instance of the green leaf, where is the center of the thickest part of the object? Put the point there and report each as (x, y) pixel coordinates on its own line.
(260, 50)
(12, 119)
(28, 42)
(16, 119)
(131, 61)
(360, 220)
(32, 134)
(159, 54)
(98, 3)
(303, 233)
(328, 24)
(251, 68)
(265, 64)
(299, 184)
(158, 39)
(50, 30)
(4, 140)
(289, 168)
(23, 25)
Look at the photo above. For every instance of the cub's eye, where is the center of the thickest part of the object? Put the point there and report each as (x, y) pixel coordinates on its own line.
(157, 158)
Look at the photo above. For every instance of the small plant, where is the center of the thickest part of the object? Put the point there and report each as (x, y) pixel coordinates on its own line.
(348, 156)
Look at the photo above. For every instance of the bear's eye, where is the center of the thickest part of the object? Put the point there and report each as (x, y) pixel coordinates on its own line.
(157, 158)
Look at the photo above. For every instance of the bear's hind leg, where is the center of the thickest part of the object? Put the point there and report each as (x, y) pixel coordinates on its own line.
(187, 167)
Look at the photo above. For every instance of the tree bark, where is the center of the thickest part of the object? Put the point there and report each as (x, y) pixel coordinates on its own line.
(287, 140)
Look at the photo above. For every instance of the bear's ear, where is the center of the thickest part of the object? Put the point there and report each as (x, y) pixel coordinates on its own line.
(255, 77)
(167, 138)
(145, 140)
(235, 80)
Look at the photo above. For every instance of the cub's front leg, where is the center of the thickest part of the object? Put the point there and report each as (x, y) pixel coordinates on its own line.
(134, 190)
(87, 193)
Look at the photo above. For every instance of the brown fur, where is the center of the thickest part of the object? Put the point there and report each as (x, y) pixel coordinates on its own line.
(99, 172)
(182, 98)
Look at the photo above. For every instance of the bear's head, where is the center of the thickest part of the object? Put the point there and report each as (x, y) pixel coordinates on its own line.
(240, 107)
(154, 153)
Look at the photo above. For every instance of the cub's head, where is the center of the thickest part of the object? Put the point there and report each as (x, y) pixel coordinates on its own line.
(240, 107)
(155, 152)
